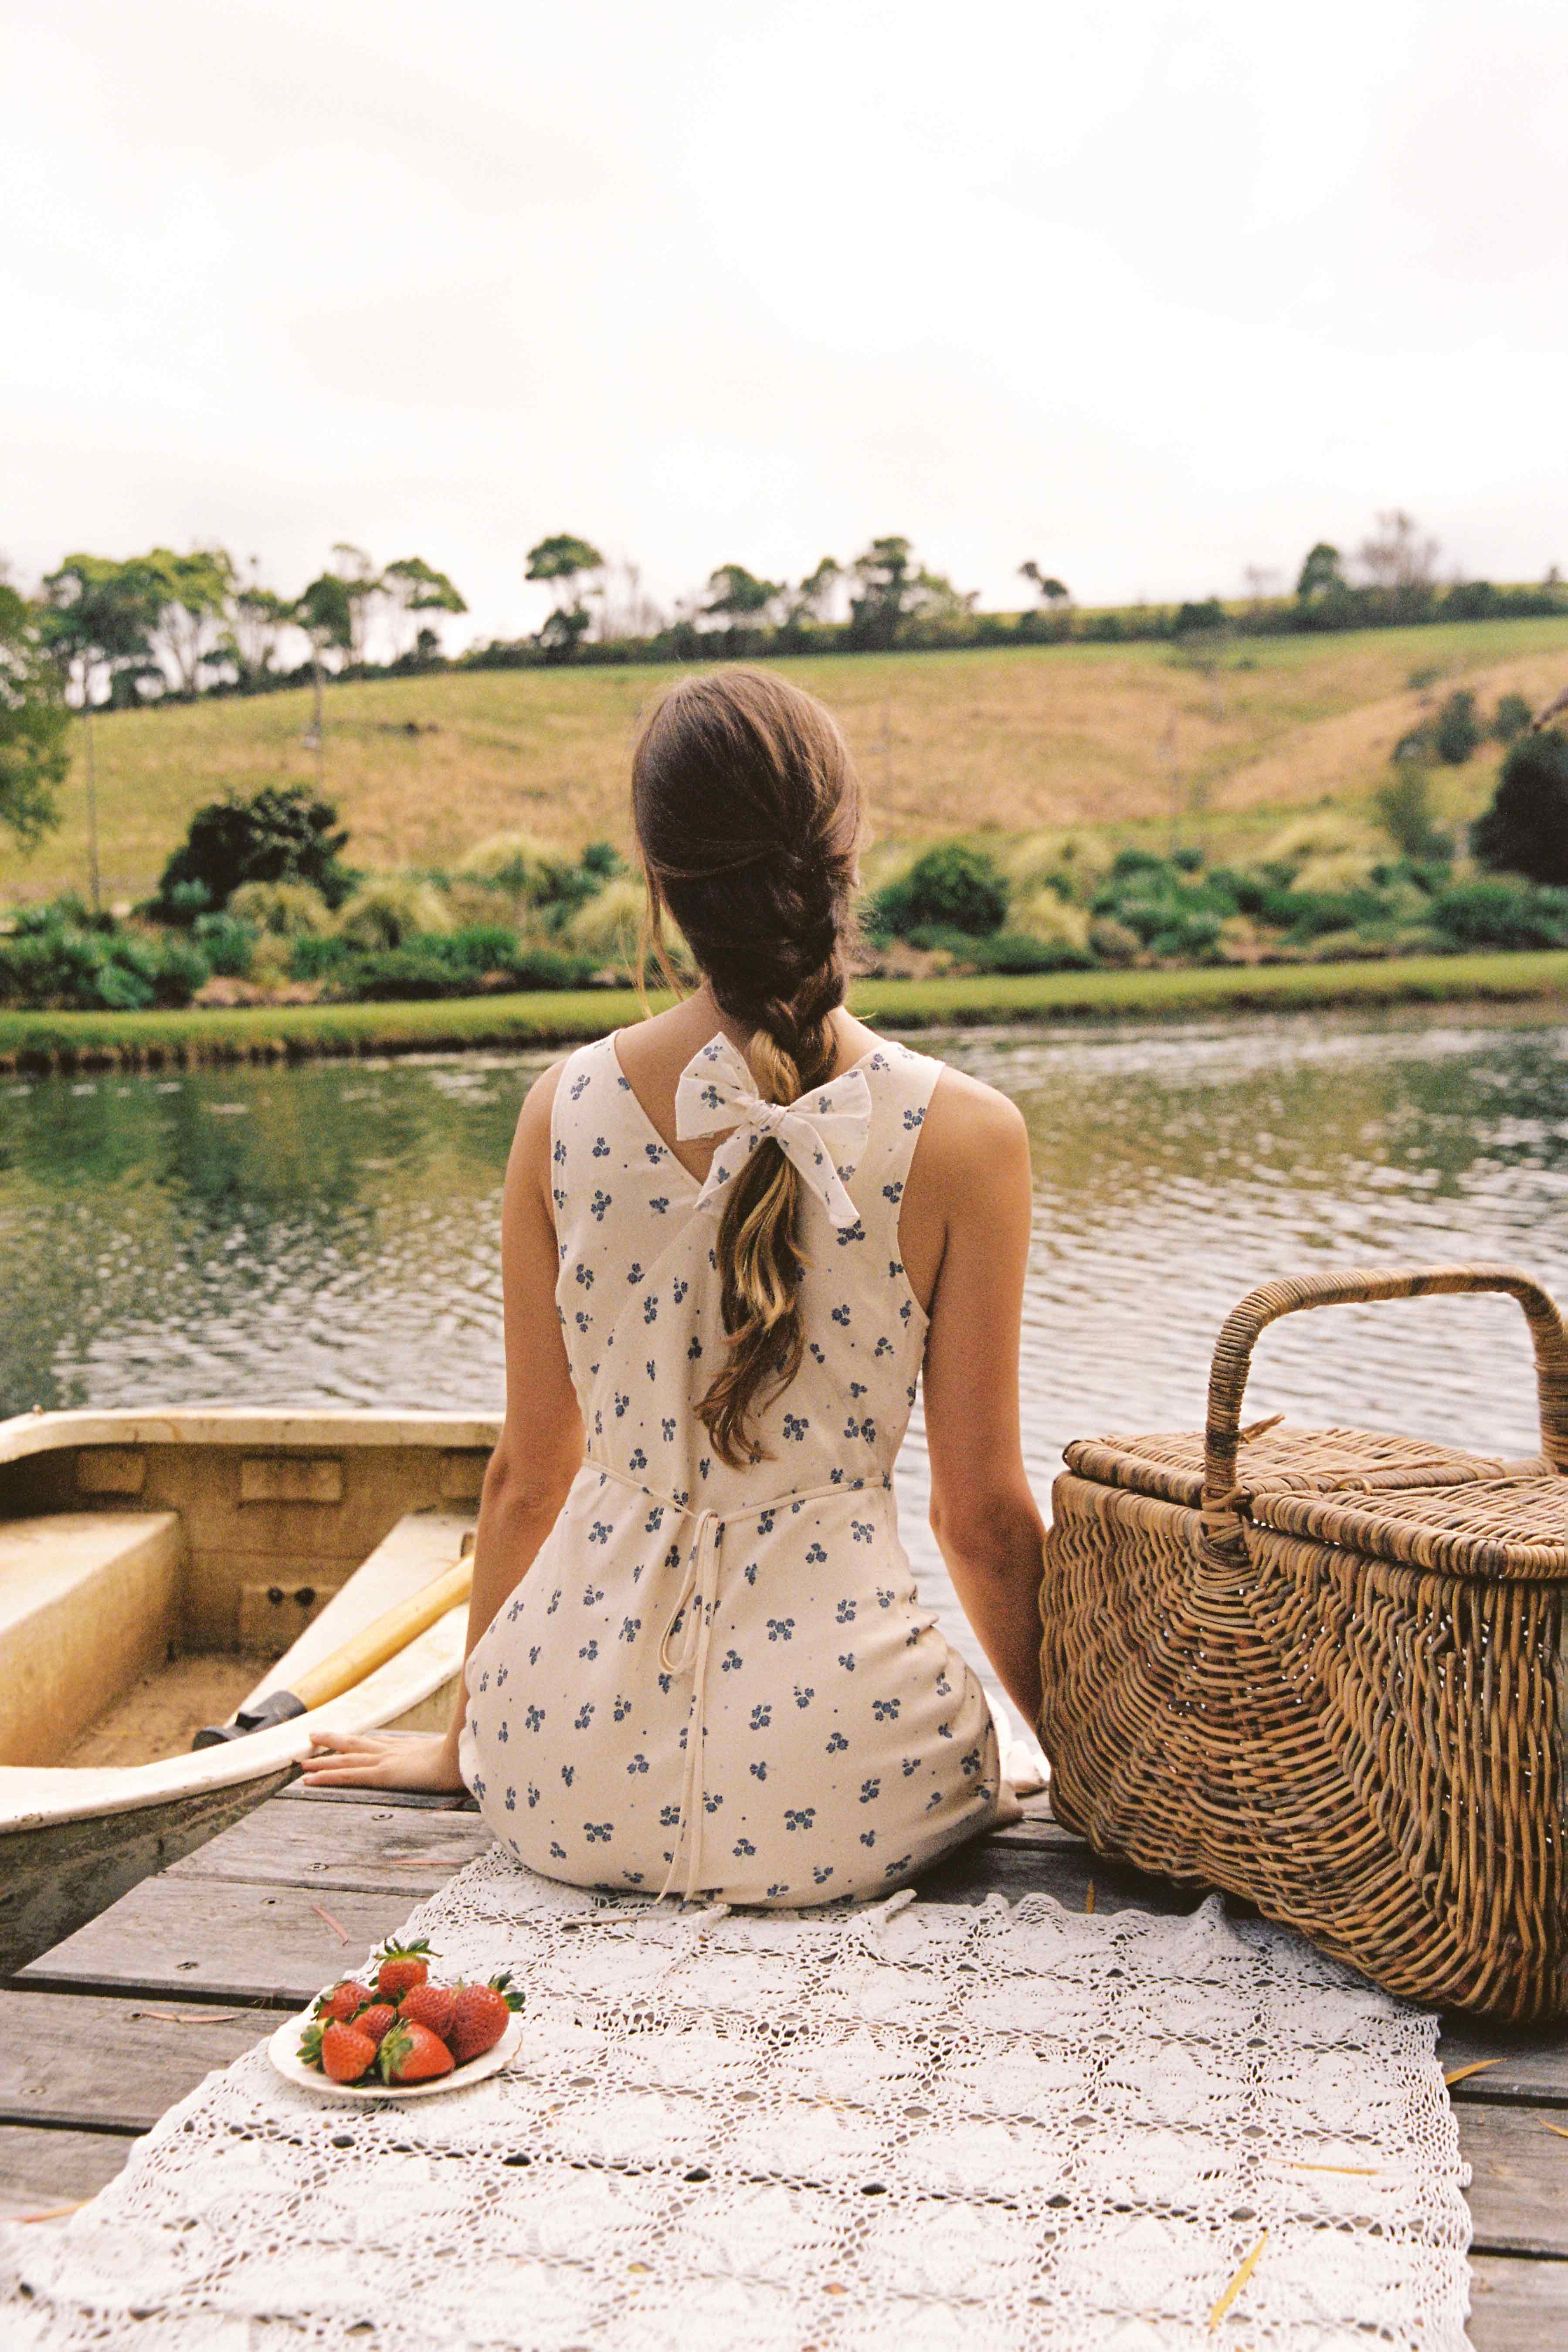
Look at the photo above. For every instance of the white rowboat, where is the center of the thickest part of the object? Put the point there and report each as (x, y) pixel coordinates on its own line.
(139, 1550)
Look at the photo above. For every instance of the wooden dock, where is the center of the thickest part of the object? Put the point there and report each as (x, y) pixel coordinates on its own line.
(178, 1977)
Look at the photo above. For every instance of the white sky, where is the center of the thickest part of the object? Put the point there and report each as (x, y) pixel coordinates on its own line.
(1149, 292)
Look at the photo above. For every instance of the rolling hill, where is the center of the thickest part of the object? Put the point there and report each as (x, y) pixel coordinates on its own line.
(1019, 737)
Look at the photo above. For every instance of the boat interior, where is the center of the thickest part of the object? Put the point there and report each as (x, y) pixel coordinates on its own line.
(157, 1572)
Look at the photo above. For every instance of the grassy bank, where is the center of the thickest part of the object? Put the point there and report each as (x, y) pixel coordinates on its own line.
(72, 1040)
(1111, 736)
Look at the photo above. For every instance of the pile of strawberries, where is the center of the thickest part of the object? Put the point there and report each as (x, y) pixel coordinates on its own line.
(406, 2025)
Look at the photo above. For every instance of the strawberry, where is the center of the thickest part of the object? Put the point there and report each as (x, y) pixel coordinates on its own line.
(412, 2053)
(429, 2004)
(403, 1966)
(480, 2015)
(347, 2052)
(341, 2051)
(343, 1998)
(376, 2021)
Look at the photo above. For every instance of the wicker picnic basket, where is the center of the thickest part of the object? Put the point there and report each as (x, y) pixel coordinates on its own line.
(1325, 1669)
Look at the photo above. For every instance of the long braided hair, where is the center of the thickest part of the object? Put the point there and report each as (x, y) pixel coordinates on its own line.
(748, 817)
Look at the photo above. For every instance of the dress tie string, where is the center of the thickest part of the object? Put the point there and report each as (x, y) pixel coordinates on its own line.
(684, 1645)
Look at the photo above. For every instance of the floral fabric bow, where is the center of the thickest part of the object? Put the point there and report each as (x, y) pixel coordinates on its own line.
(823, 1135)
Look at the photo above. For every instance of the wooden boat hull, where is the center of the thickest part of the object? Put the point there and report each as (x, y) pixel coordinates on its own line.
(241, 1525)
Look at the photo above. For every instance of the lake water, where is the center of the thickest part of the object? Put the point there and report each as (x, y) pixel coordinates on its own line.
(329, 1233)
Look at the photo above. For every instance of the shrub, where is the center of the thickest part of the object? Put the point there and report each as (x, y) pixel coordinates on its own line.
(227, 945)
(1406, 811)
(312, 958)
(1130, 862)
(512, 861)
(606, 927)
(1525, 830)
(1023, 951)
(426, 968)
(1113, 942)
(953, 886)
(63, 967)
(290, 911)
(1510, 719)
(282, 833)
(1458, 732)
(390, 912)
(1051, 921)
(1498, 914)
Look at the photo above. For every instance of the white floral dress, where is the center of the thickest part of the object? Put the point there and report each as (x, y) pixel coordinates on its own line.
(720, 1681)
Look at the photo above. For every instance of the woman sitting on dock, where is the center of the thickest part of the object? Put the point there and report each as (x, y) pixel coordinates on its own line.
(733, 1239)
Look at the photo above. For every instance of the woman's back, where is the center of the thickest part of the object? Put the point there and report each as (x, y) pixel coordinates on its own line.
(722, 1680)
(640, 1289)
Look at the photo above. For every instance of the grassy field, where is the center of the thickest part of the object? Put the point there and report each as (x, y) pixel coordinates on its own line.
(1017, 737)
(66, 1041)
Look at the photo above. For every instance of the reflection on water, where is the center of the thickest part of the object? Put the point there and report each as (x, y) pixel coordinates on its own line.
(329, 1233)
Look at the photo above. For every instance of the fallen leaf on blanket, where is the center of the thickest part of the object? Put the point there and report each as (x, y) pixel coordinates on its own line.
(1476, 2066)
(1089, 1897)
(339, 1930)
(1358, 2172)
(1556, 2130)
(1249, 2266)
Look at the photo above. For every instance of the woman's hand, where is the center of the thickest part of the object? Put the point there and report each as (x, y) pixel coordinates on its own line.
(368, 1760)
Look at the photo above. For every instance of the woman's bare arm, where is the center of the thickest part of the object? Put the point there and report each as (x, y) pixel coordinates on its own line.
(534, 1463)
(967, 1251)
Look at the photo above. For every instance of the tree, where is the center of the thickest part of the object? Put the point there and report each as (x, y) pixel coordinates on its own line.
(814, 596)
(415, 587)
(34, 722)
(363, 590)
(561, 562)
(1458, 732)
(736, 594)
(258, 619)
(1525, 830)
(101, 617)
(1051, 591)
(282, 833)
(1397, 555)
(325, 613)
(1321, 573)
(193, 595)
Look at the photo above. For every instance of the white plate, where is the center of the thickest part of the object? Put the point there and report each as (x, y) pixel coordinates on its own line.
(284, 2051)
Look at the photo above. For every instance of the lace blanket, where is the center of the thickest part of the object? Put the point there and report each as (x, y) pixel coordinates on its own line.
(997, 2127)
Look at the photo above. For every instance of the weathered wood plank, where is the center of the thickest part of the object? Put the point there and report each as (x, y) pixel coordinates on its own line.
(184, 1939)
(113, 2065)
(365, 1849)
(1518, 2306)
(1530, 2066)
(1518, 2196)
(41, 2169)
(416, 1799)
(1006, 1864)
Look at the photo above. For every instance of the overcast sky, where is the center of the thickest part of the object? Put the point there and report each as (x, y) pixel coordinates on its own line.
(1149, 293)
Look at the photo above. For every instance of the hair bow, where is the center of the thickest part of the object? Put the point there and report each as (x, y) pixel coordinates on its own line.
(822, 1135)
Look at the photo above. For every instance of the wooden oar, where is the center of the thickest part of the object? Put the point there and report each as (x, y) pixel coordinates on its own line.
(352, 1661)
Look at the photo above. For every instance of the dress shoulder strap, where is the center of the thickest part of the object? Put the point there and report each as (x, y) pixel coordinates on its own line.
(902, 1083)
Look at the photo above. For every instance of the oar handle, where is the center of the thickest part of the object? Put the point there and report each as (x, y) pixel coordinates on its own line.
(382, 1638)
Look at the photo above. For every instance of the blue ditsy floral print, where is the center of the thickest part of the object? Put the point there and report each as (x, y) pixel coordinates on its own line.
(748, 1649)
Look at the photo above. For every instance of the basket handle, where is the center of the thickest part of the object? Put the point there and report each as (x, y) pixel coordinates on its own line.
(1246, 1322)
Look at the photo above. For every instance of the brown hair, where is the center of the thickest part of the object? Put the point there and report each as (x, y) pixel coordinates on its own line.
(747, 811)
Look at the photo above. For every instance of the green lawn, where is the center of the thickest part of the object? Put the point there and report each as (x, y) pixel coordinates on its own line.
(66, 1041)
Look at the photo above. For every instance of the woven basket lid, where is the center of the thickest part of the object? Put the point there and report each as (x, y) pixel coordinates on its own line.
(1394, 1498)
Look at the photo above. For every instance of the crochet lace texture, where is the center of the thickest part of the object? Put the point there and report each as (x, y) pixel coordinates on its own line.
(998, 2128)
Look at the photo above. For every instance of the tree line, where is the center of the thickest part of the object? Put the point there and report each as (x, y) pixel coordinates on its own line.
(120, 633)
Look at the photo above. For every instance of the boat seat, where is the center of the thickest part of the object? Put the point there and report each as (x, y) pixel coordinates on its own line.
(422, 1545)
(89, 1602)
